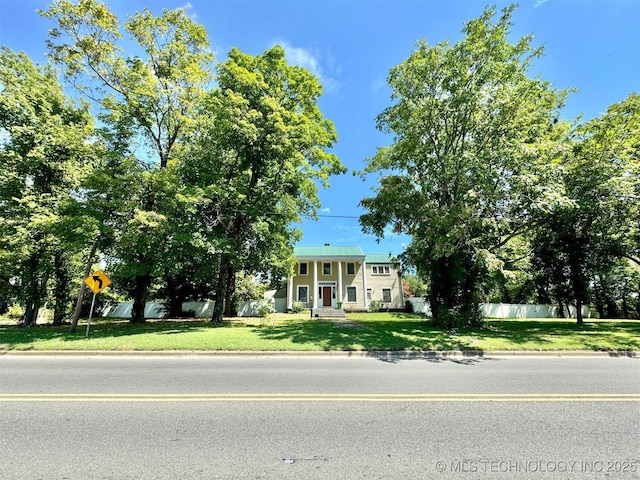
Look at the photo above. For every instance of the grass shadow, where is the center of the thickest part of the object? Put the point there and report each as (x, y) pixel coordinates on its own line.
(387, 336)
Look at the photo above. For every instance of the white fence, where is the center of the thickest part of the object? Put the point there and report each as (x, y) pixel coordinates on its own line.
(250, 309)
(157, 310)
(508, 310)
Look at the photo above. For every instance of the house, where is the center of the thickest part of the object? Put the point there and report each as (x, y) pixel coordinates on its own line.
(344, 278)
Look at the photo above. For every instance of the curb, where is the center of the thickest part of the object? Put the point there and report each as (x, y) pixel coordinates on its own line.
(331, 353)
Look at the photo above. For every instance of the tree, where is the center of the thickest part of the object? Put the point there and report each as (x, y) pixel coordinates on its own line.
(413, 286)
(583, 240)
(472, 139)
(146, 100)
(43, 162)
(251, 172)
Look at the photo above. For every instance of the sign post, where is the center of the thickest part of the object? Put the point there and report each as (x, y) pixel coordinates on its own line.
(96, 282)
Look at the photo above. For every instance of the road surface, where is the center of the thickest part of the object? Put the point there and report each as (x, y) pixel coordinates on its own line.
(198, 417)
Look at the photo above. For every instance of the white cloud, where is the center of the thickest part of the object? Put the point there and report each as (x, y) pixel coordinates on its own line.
(187, 7)
(540, 2)
(311, 60)
(326, 210)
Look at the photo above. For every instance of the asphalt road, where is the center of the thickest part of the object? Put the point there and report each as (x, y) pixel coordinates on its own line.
(189, 417)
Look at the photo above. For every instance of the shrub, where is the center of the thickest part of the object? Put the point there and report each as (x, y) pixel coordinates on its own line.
(375, 305)
(14, 312)
(408, 306)
(264, 309)
(297, 307)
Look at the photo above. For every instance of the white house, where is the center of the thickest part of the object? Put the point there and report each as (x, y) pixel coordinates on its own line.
(344, 277)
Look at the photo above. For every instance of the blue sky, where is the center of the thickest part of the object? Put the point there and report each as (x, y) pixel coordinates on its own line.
(591, 45)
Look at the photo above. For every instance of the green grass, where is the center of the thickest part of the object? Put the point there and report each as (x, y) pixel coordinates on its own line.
(291, 332)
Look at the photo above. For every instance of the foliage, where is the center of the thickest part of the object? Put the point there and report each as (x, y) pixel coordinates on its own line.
(148, 100)
(44, 160)
(265, 308)
(408, 306)
(470, 159)
(15, 312)
(413, 286)
(375, 306)
(251, 171)
(581, 241)
(297, 307)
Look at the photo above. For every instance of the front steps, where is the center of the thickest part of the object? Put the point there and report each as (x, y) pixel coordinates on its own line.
(328, 313)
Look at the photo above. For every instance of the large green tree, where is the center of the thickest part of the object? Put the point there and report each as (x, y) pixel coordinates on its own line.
(252, 172)
(43, 160)
(473, 135)
(582, 241)
(147, 102)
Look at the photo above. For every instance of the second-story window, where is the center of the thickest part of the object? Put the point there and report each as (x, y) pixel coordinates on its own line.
(380, 270)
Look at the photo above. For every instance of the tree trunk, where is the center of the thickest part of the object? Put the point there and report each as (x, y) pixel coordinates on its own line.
(220, 290)
(34, 288)
(229, 305)
(576, 275)
(174, 300)
(140, 294)
(579, 311)
(61, 288)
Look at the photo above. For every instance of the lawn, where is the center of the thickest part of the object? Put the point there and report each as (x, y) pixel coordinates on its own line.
(296, 332)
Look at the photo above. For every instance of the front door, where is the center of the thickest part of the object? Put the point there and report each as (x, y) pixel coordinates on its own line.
(326, 296)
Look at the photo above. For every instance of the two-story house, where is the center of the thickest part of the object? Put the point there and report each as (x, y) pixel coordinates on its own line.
(344, 277)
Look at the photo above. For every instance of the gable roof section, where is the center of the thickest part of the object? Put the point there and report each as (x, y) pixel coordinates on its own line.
(380, 258)
(328, 251)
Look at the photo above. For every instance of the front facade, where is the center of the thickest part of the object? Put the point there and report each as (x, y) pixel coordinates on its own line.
(344, 277)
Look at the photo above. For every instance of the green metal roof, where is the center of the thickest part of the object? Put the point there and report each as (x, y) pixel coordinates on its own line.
(328, 251)
(379, 258)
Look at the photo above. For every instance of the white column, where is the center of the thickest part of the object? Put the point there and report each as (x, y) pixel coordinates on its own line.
(315, 284)
(364, 285)
(339, 281)
(290, 293)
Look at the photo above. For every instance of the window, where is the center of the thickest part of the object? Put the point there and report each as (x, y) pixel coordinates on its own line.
(386, 295)
(352, 296)
(303, 268)
(369, 293)
(380, 269)
(303, 293)
(326, 269)
(351, 268)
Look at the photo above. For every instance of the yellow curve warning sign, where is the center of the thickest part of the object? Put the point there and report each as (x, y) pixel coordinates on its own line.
(97, 281)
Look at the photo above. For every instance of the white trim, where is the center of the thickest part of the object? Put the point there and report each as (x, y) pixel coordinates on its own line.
(298, 293)
(346, 298)
(386, 269)
(299, 265)
(321, 285)
(339, 292)
(382, 289)
(290, 293)
(315, 284)
(364, 285)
